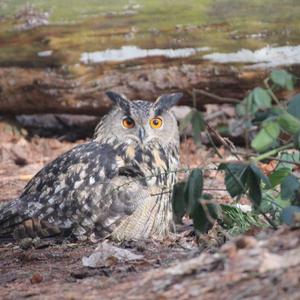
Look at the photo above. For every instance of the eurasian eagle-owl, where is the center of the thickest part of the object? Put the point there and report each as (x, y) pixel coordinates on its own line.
(119, 184)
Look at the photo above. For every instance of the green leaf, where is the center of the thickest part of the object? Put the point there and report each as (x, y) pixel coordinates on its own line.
(283, 79)
(291, 215)
(294, 106)
(277, 111)
(202, 214)
(255, 176)
(241, 178)
(198, 126)
(193, 189)
(192, 193)
(250, 107)
(178, 202)
(249, 103)
(262, 98)
(253, 182)
(258, 99)
(235, 177)
(290, 186)
(297, 140)
(186, 121)
(264, 115)
(195, 119)
(266, 137)
(287, 160)
(265, 206)
(289, 123)
(278, 175)
(259, 174)
(240, 109)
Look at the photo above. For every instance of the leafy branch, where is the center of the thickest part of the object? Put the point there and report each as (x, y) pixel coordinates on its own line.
(279, 123)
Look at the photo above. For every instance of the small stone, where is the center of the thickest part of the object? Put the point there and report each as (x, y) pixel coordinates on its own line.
(246, 242)
(229, 249)
(36, 278)
(26, 243)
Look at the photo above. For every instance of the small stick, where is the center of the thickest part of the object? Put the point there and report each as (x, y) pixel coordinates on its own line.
(216, 97)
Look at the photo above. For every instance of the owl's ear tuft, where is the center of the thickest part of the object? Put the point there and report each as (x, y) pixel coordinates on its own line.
(165, 102)
(119, 100)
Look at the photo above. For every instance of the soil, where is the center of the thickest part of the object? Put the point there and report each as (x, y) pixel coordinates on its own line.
(263, 264)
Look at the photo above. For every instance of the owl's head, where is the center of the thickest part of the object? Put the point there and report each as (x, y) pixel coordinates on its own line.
(140, 122)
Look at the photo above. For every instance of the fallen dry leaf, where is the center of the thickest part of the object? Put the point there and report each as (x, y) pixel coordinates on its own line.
(107, 254)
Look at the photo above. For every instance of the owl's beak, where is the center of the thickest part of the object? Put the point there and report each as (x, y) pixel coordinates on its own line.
(142, 134)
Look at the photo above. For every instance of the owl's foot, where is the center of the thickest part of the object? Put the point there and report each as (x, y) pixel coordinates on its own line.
(28, 243)
(38, 243)
(33, 228)
(35, 233)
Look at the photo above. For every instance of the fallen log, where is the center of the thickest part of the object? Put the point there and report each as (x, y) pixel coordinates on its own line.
(32, 90)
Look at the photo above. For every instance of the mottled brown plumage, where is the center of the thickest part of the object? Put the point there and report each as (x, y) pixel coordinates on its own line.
(119, 184)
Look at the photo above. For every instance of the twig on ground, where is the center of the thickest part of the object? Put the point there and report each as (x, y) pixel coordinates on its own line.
(216, 97)
(252, 154)
(214, 115)
(224, 141)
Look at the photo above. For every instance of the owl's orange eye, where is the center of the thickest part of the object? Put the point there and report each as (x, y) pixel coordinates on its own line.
(127, 122)
(156, 122)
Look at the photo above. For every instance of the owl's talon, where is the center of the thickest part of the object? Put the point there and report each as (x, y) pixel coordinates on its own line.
(26, 243)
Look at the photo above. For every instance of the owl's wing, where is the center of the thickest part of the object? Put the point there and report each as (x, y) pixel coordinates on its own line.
(65, 192)
(72, 168)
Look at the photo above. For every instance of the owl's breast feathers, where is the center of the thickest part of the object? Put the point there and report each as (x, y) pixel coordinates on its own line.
(157, 165)
(87, 189)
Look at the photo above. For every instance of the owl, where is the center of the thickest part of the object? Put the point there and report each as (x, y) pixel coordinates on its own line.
(117, 185)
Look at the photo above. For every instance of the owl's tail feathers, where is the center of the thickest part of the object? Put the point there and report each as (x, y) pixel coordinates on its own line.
(13, 224)
(9, 217)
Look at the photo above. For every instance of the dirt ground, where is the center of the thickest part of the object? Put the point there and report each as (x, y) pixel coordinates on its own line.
(260, 265)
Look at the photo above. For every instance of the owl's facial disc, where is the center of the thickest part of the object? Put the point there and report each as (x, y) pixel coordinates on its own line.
(141, 122)
(143, 125)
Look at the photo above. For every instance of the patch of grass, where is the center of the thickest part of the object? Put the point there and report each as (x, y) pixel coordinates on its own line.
(78, 26)
(236, 222)
(76, 10)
